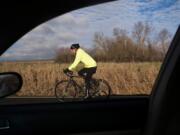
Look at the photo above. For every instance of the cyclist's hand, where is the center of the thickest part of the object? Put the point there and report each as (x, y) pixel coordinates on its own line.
(67, 71)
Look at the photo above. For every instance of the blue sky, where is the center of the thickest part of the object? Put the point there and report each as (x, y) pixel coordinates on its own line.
(80, 26)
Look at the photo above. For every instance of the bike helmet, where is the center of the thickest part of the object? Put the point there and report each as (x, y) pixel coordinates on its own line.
(75, 46)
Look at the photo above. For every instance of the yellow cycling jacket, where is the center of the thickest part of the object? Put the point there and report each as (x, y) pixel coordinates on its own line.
(86, 59)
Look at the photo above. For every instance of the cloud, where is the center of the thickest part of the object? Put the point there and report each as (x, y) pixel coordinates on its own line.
(43, 41)
(70, 20)
(162, 14)
(80, 25)
(158, 5)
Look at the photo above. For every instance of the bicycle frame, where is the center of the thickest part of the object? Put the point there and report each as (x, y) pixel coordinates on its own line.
(72, 80)
(71, 76)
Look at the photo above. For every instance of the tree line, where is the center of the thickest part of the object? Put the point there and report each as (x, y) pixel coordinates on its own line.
(137, 46)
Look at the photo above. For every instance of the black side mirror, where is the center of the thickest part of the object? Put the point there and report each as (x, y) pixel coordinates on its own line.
(10, 83)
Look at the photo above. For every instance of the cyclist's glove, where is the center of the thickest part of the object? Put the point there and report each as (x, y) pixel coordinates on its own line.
(67, 71)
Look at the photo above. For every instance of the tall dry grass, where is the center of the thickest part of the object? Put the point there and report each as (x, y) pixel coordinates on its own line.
(124, 78)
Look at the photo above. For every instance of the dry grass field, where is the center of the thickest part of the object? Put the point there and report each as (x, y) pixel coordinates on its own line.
(124, 78)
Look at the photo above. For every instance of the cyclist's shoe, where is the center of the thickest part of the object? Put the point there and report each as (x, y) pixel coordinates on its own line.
(87, 96)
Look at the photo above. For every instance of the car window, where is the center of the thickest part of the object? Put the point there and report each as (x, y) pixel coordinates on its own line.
(127, 38)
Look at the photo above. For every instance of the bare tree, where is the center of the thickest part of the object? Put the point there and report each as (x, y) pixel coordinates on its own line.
(164, 39)
(102, 45)
(117, 32)
(122, 48)
(141, 33)
(99, 40)
(63, 55)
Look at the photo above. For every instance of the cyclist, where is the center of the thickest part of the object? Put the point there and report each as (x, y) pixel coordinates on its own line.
(90, 65)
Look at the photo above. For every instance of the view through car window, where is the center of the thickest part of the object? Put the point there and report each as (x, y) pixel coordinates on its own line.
(128, 40)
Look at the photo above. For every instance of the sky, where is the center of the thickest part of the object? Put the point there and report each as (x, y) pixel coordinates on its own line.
(80, 25)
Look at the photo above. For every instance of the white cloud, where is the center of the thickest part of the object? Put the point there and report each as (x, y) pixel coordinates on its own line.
(69, 20)
(80, 25)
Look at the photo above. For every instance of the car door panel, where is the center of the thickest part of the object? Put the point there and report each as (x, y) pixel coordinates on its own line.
(124, 115)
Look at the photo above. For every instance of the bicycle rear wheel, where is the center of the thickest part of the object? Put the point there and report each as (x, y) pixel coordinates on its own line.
(65, 90)
(101, 88)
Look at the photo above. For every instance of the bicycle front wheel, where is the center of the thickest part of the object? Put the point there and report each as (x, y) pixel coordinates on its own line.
(65, 91)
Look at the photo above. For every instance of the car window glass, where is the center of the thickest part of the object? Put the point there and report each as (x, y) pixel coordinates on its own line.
(127, 38)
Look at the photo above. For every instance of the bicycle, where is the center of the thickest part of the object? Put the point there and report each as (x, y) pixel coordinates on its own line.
(69, 89)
